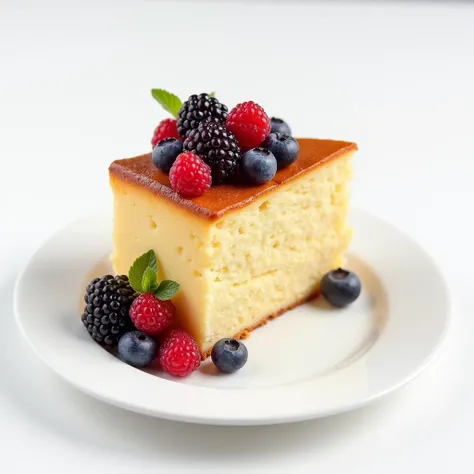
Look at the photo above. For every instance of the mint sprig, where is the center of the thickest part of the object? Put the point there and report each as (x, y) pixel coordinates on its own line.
(143, 276)
(170, 102)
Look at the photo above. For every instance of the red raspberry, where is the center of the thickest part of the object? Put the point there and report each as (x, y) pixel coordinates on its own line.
(249, 123)
(151, 315)
(179, 353)
(165, 129)
(190, 176)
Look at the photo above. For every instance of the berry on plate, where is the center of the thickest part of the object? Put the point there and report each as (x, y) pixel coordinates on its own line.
(151, 315)
(152, 311)
(165, 129)
(229, 355)
(218, 147)
(165, 153)
(179, 353)
(340, 287)
(190, 176)
(197, 109)
(137, 349)
(259, 165)
(108, 300)
(279, 126)
(249, 123)
(284, 148)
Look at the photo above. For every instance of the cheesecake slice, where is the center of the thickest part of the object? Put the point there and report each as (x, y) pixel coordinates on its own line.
(242, 255)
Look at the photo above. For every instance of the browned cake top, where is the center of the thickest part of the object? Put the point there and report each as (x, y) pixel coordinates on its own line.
(141, 172)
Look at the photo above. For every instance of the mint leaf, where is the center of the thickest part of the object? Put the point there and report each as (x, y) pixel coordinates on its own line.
(166, 290)
(148, 280)
(138, 268)
(168, 101)
(212, 94)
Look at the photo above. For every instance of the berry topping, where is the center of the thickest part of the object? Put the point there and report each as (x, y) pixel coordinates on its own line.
(165, 153)
(165, 129)
(108, 300)
(179, 353)
(340, 287)
(137, 349)
(190, 176)
(151, 315)
(197, 109)
(284, 148)
(218, 147)
(151, 312)
(229, 355)
(249, 123)
(279, 126)
(259, 165)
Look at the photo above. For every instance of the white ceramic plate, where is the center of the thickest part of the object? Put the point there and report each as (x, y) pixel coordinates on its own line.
(311, 362)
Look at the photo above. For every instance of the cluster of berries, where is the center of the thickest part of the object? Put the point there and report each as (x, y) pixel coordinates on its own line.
(135, 314)
(206, 144)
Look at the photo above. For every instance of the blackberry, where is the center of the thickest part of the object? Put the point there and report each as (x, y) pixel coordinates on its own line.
(218, 147)
(108, 300)
(197, 109)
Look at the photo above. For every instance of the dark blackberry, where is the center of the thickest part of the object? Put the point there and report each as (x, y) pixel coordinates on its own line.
(197, 109)
(108, 300)
(218, 147)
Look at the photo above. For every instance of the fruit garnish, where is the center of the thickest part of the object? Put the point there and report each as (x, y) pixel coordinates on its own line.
(249, 123)
(340, 287)
(218, 147)
(137, 349)
(197, 109)
(106, 313)
(190, 176)
(284, 148)
(152, 311)
(229, 355)
(165, 129)
(179, 353)
(259, 166)
(279, 126)
(165, 153)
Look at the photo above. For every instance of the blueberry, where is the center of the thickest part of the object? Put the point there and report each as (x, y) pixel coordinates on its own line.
(284, 148)
(278, 125)
(259, 165)
(165, 153)
(340, 287)
(229, 355)
(137, 348)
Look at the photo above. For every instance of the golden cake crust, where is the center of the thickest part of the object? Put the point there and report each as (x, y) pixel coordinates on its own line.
(219, 200)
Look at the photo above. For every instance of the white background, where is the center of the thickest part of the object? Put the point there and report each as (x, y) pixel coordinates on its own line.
(398, 78)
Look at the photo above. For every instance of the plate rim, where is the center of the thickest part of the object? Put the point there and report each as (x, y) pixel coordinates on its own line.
(239, 420)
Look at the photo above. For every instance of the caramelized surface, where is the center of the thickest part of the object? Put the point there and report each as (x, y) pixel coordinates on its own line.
(141, 172)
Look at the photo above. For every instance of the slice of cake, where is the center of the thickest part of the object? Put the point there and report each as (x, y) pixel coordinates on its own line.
(242, 255)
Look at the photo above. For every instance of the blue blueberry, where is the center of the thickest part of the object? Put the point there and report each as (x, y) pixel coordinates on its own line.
(259, 165)
(165, 153)
(229, 355)
(284, 148)
(137, 348)
(340, 287)
(279, 126)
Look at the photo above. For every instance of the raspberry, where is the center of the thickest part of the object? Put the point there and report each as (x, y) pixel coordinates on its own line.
(249, 123)
(165, 129)
(151, 315)
(179, 353)
(218, 147)
(190, 176)
(197, 109)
